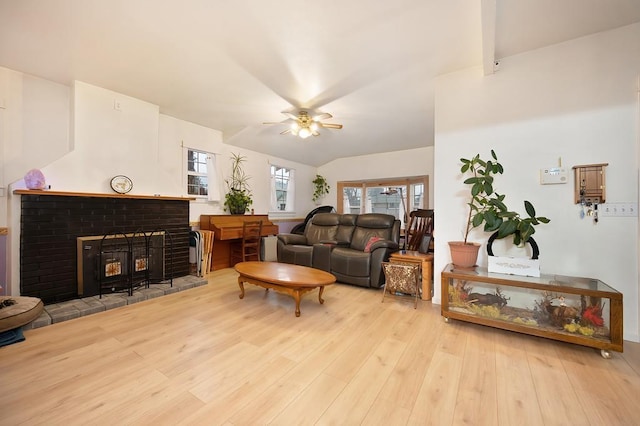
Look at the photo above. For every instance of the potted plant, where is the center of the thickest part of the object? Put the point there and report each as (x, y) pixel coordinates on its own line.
(488, 207)
(238, 198)
(321, 188)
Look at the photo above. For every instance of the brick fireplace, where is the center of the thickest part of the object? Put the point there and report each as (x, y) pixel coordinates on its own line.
(51, 222)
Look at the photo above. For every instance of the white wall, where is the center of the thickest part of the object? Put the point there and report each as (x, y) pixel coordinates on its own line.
(34, 127)
(412, 162)
(578, 101)
(80, 140)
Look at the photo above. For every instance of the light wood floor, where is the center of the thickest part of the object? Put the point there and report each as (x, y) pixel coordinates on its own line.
(203, 356)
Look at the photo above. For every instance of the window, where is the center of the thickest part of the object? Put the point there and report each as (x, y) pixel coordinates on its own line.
(197, 179)
(397, 197)
(282, 189)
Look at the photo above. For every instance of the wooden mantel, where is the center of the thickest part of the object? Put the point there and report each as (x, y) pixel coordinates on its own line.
(100, 195)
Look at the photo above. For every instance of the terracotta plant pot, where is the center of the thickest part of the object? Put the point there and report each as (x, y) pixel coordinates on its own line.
(464, 255)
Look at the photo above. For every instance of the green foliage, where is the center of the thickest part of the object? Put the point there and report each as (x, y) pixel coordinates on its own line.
(238, 198)
(489, 208)
(321, 187)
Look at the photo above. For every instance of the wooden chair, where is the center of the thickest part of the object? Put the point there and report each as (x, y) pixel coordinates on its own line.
(420, 225)
(249, 246)
(402, 278)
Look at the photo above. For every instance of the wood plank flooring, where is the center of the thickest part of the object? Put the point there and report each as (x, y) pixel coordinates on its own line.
(205, 357)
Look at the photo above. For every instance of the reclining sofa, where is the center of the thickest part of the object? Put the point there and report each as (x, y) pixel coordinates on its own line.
(350, 246)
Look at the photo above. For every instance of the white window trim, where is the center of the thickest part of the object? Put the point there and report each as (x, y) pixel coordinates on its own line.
(213, 186)
(291, 193)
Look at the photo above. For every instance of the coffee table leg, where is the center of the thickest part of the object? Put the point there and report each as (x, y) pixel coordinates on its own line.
(241, 287)
(320, 299)
(296, 295)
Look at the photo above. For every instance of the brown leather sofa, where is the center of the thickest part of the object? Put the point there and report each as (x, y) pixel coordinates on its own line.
(352, 247)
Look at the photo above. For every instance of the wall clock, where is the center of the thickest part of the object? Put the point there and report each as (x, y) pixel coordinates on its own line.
(121, 184)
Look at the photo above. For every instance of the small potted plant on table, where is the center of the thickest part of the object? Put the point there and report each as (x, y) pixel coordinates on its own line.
(238, 198)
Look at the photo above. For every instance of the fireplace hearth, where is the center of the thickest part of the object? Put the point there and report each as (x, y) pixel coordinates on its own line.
(52, 221)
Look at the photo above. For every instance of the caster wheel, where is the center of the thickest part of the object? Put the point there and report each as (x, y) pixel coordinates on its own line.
(446, 319)
(605, 354)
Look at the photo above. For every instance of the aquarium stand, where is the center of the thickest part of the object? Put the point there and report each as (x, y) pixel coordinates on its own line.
(583, 311)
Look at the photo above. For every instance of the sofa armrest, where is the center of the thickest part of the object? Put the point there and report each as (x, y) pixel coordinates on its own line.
(388, 244)
(288, 239)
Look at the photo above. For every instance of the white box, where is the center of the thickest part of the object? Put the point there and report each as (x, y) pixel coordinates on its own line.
(514, 266)
(553, 175)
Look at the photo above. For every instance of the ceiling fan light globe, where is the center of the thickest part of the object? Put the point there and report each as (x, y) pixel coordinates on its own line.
(314, 127)
(304, 133)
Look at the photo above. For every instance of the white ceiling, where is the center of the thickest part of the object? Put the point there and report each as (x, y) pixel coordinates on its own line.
(231, 65)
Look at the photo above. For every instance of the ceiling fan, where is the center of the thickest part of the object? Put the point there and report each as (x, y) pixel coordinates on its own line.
(304, 125)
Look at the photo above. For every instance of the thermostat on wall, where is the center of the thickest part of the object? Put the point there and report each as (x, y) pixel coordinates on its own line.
(553, 175)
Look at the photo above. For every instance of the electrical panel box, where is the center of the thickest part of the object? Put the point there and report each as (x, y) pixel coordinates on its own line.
(590, 184)
(553, 175)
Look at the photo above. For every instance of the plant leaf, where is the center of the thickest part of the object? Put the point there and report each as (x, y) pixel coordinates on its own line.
(476, 189)
(477, 219)
(529, 208)
(507, 228)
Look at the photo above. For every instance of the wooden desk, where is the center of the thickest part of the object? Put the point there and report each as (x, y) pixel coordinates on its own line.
(425, 261)
(228, 230)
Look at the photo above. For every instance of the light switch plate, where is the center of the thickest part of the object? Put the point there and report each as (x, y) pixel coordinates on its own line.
(618, 209)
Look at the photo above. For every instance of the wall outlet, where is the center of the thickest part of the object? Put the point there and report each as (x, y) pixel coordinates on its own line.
(116, 105)
(553, 175)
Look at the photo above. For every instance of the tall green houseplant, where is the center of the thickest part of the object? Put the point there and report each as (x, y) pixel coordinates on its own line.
(238, 198)
(488, 208)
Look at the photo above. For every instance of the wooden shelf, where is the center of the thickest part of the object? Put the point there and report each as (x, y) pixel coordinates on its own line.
(99, 195)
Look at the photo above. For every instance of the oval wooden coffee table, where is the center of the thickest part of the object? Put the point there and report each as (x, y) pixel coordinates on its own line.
(293, 280)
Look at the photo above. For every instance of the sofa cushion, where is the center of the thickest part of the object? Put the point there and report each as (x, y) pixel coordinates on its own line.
(347, 225)
(371, 225)
(323, 227)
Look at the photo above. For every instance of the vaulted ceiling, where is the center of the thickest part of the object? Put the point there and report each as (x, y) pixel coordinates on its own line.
(232, 65)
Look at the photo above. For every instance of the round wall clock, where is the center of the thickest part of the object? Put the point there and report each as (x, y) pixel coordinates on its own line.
(121, 184)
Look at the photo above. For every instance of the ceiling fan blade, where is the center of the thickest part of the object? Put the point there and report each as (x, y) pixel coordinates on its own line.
(284, 132)
(331, 126)
(322, 116)
(290, 115)
(274, 122)
(315, 133)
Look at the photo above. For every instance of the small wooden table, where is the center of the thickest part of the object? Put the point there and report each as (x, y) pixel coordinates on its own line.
(425, 261)
(293, 280)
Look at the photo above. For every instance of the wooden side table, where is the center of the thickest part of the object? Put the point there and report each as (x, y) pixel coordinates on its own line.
(425, 261)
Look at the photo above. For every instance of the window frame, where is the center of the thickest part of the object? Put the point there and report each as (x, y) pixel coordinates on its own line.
(289, 191)
(407, 182)
(186, 160)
